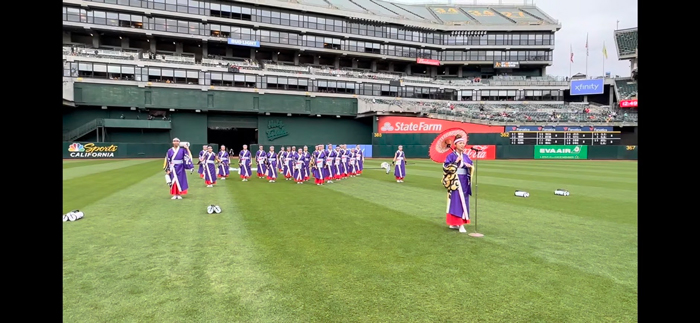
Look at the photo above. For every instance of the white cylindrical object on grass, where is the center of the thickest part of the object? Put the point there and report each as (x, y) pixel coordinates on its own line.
(522, 194)
(561, 192)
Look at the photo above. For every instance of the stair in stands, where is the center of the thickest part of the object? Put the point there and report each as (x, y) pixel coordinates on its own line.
(83, 130)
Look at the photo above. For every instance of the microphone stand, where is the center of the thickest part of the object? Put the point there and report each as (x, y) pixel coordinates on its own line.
(476, 233)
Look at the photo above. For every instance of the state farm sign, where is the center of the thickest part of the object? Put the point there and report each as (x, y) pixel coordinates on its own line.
(427, 125)
(484, 151)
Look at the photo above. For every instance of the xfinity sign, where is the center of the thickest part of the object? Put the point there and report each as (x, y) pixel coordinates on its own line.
(587, 87)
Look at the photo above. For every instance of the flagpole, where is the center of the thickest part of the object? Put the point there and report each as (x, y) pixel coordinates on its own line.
(604, 50)
(586, 55)
(571, 60)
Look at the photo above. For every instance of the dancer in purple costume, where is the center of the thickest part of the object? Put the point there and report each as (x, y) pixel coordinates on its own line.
(272, 162)
(200, 169)
(244, 163)
(223, 170)
(457, 171)
(260, 160)
(210, 160)
(400, 165)
(175, 160)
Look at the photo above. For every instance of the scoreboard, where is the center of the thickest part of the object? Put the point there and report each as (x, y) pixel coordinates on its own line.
(562, 135)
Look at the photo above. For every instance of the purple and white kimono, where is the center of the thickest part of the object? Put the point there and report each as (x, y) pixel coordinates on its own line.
(223, 169)
(272, 166)
(298, 166)
(330, 172)
(360, 161)
(318, 169)
(343, 163)
(200, 170)
(209, 168)
(400, 165)
(244, 163)
(458, 200)
(307, 159)
(352, 163)
(288, 167)
(175, 164)
(261, 159)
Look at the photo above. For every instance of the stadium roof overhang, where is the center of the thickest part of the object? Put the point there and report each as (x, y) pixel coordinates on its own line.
(451, 26)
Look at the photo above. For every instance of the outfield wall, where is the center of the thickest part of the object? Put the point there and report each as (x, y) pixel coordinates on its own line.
(109, 150)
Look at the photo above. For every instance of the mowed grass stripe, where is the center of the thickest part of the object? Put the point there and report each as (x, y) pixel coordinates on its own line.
(148, 258)
(76, 170)
(415, 203)
(354, 268)
(533, 222)
(86, 162)
(591, 189)
(630, 171)
(84, 190)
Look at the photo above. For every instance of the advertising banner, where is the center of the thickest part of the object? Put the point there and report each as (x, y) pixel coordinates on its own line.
(628, 103)
(587, 87)
(559, 128)
(244, 42)
(390, 124)
(91, 150)
(426, 61)
(506, 65)
(561, 152)
(485, 151)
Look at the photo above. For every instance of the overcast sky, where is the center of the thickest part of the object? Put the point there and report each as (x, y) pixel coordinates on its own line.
(598, 18)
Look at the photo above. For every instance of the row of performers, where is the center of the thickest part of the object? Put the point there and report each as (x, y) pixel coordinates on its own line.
(325, 165)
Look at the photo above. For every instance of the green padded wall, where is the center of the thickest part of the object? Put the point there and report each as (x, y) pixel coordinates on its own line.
(89, 94)
(312, 131)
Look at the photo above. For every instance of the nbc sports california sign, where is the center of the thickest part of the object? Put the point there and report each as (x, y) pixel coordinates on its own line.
(91, 150)
(387, 125)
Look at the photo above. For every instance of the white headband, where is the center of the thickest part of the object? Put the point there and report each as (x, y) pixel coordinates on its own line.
(459, 140)
(175, 139)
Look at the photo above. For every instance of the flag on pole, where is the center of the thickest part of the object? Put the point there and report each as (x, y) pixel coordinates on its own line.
(586, 44)
(605, 51)
(571, 51)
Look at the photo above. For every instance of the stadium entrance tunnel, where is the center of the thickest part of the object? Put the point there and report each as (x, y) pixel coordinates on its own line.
(233, 137)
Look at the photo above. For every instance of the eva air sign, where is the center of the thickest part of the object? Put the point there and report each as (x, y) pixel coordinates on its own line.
(561, 152)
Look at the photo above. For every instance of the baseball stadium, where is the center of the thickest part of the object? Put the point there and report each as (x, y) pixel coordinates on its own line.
(389, 114)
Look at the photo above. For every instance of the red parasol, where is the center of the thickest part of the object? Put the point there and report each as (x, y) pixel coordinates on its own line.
(442, 145)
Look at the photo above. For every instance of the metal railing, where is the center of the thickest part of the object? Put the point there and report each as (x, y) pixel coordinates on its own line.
(83, 130)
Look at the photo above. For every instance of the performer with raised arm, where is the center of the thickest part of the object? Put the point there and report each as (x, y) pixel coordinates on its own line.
(200, 169)
(457, 171)
(317, 165)
(224, 163)
(330, 161)
(399, 165)
(261, 160)
(352, 164)
(175, 169)
(272, 162)
(360, 159)
(298, 165)
(209, 161)
(244, 163)
(307, 160)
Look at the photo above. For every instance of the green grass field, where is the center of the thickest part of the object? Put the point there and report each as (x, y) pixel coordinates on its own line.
(366, 249)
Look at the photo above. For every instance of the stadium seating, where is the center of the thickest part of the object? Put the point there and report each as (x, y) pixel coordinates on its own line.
(245, 64)
(626, 41)
(627, 88)
(520, 113)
